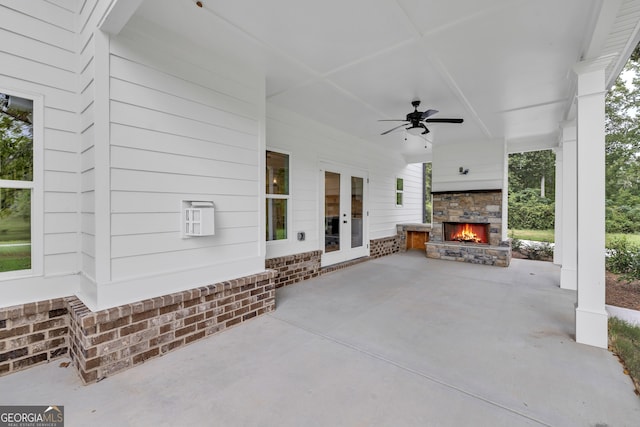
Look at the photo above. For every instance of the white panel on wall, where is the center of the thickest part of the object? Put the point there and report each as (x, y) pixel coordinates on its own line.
(485, 163)
(182, 127)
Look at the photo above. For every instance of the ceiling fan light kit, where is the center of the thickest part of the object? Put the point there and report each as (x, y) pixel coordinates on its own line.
(417, 120)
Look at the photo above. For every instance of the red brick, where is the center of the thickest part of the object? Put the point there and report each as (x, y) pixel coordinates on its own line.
(25, 363)
(169, 308)
(194, 337)
(233, 322)
(113, 324)
(186, 330)
(128, 330)
(193, 319)
(20, 330)
(88, 377)
(172, 345)
(107, 336)
(144, 315)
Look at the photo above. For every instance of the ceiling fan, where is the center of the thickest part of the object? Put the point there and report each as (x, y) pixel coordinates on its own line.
(417, 120)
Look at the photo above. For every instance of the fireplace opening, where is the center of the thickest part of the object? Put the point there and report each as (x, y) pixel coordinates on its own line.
(466, 232)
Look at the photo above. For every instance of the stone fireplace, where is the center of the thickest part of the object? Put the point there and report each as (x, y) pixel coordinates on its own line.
(467, 227)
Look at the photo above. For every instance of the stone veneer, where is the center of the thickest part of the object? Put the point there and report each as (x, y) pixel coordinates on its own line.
(499, 256)
(484, 207)
(33, 333)
(480, 206)
(109, 341)
(295, 268)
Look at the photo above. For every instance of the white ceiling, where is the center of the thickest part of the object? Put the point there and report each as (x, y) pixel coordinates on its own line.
(504, 66)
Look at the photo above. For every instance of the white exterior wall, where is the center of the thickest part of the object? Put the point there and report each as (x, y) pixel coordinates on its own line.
(485, 161)
(134, 124)
(183, 125)
(38, 57)
(309, 143)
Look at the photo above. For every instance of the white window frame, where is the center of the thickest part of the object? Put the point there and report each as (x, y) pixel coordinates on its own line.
(286, 197)
(395, 184)
(37, 208)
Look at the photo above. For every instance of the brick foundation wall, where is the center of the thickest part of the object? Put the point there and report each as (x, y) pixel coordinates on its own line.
(385, 246)
(33, 333)
(110, 341)
(295, 268)
(106, 342)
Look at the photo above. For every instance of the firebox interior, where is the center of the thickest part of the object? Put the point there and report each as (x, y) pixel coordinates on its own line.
(466, 232)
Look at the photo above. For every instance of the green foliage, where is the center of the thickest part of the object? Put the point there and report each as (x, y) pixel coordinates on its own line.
(15, 258)
(427, 191)
(527, 210)
(532, 170)
(535, 235)
(623, 150)
(623, 258)
(625, 343)
(532, 190)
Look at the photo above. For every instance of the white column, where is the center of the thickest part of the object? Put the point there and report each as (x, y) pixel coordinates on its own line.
(569, 271)
(591, 316)
(557, 248)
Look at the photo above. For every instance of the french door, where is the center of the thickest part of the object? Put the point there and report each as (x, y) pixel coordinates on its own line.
(344, 214)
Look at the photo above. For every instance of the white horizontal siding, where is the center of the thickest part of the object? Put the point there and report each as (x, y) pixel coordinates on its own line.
(137, 266)
(31, 20)
(143, 202)
(484, 161)
(153, 161)
(308, 143)
(182, 127)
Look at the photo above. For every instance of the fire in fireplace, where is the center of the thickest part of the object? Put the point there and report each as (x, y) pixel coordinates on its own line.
(466, 232)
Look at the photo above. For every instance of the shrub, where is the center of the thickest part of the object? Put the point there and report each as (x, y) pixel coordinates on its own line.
(623, 258)
(537, 250)
(527, 210)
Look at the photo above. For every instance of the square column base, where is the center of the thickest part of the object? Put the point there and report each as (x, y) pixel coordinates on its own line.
(569, 278)
(591, 328)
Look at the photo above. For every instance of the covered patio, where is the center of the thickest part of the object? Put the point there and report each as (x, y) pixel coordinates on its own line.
(400, 340)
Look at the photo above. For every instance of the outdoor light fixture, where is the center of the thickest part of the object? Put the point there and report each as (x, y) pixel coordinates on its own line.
(463, 171)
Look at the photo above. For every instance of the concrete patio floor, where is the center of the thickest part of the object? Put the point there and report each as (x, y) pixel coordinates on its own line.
(398, 341)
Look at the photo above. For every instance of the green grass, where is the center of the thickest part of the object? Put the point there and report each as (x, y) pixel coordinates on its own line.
(634, 239)
(15, 258)
(15, 230)
(535, 235)
(625, 343)
(547, 236)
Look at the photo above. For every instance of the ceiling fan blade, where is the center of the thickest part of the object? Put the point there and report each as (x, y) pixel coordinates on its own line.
(391, 130)
(428, 113)
(393, 120)
(444, 120)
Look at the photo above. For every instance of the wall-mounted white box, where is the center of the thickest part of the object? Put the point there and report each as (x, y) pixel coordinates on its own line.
(198, 218)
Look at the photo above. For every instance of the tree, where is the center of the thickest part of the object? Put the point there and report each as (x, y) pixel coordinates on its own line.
(623, 149)
(427, 192)
(16, 149)
(533, 169)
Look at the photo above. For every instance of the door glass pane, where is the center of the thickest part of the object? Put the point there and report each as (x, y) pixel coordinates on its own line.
(331, 211)
(276, 219)
(15, 229)
(357, 193)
